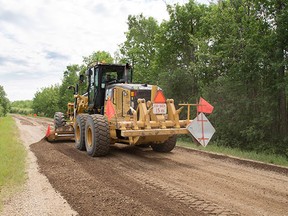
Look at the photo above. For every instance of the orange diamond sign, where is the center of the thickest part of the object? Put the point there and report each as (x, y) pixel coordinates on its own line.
(159, 98)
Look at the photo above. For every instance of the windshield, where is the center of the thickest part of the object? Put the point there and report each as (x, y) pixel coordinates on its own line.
(115, 74)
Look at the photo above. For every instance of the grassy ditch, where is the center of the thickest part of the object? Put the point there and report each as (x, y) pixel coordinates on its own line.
(251, 155)
(12, 158)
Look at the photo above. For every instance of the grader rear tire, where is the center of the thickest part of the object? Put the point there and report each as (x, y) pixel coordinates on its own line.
(59, 120)
(143, 145)
(79, 131)
(167, 146)
(97, 136)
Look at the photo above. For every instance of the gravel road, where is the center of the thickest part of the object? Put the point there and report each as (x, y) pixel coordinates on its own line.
(138, 181)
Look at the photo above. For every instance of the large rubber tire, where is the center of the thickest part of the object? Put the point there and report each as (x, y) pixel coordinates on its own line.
(167, 146)
(59, 120)
(97, 136)
(143, 145)
(79, 131)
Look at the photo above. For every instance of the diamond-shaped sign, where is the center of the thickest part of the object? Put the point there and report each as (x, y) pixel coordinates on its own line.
(201, 129)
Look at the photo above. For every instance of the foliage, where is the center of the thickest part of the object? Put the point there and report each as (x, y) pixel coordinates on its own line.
(234, 53)
(70, 78)
(249, 94)
(178, 44)
(139, 48)
(4, 102)
(45, 102)
(99, 56)
(237, 152)
(22, 107)
(22, 104)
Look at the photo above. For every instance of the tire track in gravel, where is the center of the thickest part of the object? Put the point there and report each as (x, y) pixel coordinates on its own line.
(170, 190)
(189, 199)
(96, 186)
(229, 185)
(188, 182)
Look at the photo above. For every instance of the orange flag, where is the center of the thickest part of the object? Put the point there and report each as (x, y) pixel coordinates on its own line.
(110, 111)
(48, 132)
(204, 106)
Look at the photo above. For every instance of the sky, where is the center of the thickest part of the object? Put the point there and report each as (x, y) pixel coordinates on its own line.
(39, 38)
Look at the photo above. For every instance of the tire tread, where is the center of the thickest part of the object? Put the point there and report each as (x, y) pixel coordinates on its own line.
(101, 145)
(81, 120)
(167, 146)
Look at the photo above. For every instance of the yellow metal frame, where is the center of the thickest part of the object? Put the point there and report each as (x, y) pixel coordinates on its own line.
(140, 126)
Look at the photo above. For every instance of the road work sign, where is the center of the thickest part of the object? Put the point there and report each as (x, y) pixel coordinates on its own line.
(201, 129)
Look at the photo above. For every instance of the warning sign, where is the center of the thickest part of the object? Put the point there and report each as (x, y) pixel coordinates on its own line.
(159, 98)
(201, 129)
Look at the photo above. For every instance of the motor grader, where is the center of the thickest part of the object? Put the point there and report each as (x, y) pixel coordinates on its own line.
(115, 110)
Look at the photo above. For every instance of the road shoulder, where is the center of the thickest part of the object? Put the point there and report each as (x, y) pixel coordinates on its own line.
(37, 196)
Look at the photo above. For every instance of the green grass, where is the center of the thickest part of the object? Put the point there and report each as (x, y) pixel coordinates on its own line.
(251, 155)
(12, 158)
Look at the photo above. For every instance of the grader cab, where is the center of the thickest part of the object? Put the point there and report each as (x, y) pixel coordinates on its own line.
(114, 110)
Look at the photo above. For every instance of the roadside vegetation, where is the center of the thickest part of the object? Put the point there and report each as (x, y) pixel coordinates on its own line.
(23, 107)
(12, 158)
(271, 158)
(4, 102)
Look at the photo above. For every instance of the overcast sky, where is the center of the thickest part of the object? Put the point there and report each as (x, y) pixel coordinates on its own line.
(39, 38)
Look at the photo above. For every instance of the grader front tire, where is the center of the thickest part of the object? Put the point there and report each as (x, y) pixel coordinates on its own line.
(59, 120)
(97, 136)
(167, 146)
(79, 131)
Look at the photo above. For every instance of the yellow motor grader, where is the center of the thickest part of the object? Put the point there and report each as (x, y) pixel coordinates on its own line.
(114, 110)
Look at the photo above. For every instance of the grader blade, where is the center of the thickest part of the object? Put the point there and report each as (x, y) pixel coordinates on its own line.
(64, 133)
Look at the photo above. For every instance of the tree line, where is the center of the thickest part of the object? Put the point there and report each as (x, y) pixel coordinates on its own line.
(22, 106)
(233, 53)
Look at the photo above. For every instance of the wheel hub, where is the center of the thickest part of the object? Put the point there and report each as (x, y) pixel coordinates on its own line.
(89, 136)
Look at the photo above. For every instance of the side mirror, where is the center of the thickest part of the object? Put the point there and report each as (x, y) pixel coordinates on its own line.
(88, 72)
(72, 87)
(127, 66)
(81, 78)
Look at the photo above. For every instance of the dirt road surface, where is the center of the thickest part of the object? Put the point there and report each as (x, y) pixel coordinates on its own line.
(138, 181)
(37, 197)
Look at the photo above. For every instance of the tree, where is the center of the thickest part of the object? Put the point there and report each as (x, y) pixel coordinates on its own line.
(99, 56)
(4, 102)
(234, 53)
(275, 17)
(139, 48)
(22, 107)
(45, 101)
(249, 87)
(70, 78)
(178, 45)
